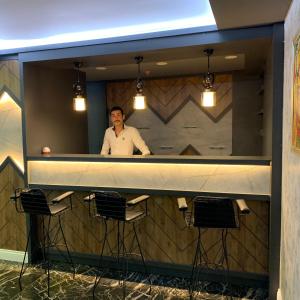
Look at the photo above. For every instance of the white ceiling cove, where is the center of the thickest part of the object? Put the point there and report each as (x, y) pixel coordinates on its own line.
(40, 22)
(25, 23)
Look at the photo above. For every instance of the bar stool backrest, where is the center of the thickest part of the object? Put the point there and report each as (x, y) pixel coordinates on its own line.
(214, 212)
(110, 205)
(35, 202)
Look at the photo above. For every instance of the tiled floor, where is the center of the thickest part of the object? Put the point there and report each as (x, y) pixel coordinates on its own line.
(64, 286)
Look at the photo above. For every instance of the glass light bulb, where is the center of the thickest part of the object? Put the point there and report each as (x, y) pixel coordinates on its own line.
(139, 102)
(208, 98)
(79, 103)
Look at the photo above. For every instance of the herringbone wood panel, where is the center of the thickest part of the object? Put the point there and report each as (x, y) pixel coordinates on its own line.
(12, 224)
(166, 97)
(10, 76)
(165, 237)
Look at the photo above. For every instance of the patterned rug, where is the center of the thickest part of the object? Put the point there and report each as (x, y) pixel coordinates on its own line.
(64, 286)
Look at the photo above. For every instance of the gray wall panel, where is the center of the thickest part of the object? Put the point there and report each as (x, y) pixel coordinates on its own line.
(97, 117)
(51, 120)
(246, 120)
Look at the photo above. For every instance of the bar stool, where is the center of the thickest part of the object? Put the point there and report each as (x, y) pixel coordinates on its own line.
(112, 206)
(211, 212)
(34, 202)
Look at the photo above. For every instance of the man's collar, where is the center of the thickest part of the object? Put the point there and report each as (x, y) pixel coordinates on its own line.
(124, 126)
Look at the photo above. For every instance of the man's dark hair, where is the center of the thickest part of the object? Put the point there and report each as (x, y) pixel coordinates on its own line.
(116, 108)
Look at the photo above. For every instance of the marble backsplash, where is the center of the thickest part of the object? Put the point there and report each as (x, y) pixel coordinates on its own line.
(215, 178)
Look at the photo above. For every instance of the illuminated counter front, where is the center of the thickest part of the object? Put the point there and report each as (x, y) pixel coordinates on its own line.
(248, 176)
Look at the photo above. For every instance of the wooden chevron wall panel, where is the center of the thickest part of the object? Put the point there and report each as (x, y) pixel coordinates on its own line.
(12, 224)
(11, 143)
(165, 237)
(10, 76)
(166, 97)
(11, 140)
(175, 112)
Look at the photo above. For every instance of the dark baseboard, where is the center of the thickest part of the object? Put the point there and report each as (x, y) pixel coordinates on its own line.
(167, 269)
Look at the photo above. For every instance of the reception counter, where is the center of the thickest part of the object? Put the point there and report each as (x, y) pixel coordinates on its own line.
(248, 177)
(167, 242)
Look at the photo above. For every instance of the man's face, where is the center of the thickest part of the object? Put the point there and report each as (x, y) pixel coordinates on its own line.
(117, 118)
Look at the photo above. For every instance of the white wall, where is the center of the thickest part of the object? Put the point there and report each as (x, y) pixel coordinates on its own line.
(290, 227)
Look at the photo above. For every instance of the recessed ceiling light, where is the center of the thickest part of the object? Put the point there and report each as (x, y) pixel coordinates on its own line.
(101, 68)
(231, 56)
(161, 63)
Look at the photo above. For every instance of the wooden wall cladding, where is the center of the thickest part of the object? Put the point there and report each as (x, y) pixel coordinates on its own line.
(174, 122)
(13, 229)
(10, 76)
(165, 237)
(12, 224)
(11, 143)
(167, 96)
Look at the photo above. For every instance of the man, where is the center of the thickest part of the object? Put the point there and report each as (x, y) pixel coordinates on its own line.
(121, 139)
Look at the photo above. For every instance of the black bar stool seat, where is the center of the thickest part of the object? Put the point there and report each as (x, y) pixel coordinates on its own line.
(34, 202)
(111, 205)
(211, 213)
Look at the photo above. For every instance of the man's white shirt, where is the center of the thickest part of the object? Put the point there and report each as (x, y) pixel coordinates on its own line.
(124, 143)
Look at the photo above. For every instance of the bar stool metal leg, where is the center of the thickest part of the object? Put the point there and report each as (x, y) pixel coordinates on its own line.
(142, 256)
(224, 245)
(112, 206)
(124, 262)
(118, 250)
(48, 240)
(23, 263)
(34, 202)
(194, 267)
(44, 243)
(98, 277)
(65, 242)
